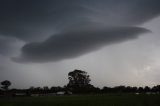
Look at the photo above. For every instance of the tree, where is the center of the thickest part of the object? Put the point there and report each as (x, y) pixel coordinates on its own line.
(156, 89)
(140, 90)
(147, 89)
(5, 84)
(79, 81)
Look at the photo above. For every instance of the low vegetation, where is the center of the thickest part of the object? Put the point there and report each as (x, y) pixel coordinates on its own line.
(85, 100)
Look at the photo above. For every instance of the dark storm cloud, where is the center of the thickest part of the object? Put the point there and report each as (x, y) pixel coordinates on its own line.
(37, 20)
(124, 12)
(32, 19)
(9, 45)
(29, 19)
(76, 43)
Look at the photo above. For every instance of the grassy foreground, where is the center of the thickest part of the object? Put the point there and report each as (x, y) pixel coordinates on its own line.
(84, 100)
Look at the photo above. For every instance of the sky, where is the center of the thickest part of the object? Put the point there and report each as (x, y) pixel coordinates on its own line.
(115, 41)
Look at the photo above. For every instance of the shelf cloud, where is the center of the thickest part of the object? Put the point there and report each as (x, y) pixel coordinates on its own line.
(76, 43)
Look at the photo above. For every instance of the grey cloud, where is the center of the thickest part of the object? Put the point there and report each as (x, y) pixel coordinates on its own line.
(124, 12)
(32, 19)
(76, 43)
(9, 45)
(36, 20)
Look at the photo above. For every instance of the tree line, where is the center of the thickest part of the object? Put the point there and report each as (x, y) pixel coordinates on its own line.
(79, 83)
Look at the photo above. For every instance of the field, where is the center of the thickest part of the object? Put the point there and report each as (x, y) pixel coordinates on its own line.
(84, 100)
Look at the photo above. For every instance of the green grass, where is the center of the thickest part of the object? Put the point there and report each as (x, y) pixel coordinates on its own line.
(84, 100)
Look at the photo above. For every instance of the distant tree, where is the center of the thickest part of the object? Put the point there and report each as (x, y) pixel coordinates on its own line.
(78, 78)
(156, 89)
(79, 81)
(134, 89)
(53, 89)
(128, 89)
(46, 88)
(5, 84)
(147, 89)
(119, 89)
(140, 90)
(107, 89)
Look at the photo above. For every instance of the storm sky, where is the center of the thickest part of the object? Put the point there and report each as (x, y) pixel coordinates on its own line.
(115, 41)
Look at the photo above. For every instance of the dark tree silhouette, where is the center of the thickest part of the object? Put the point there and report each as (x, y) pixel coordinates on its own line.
(156, 89)
(140, 90)
(5, 84)
(78, 78)
(147, 89)
(79, 81)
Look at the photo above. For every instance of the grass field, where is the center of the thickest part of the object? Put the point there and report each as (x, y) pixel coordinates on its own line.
(84, 100)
